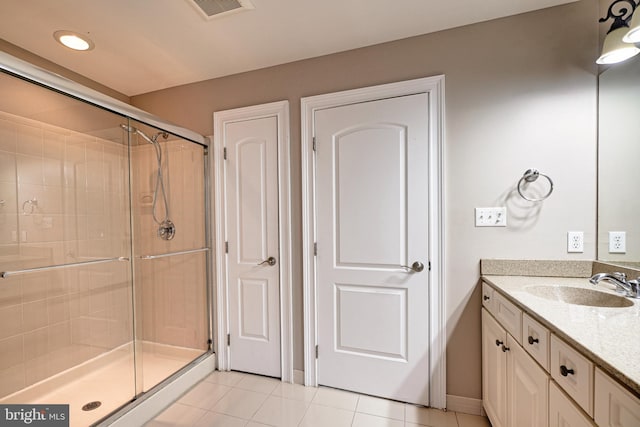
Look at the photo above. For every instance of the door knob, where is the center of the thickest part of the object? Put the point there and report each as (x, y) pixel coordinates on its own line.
(416, 266)
(271, 261)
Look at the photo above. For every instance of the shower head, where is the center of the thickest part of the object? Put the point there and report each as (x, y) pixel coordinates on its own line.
(132, 129)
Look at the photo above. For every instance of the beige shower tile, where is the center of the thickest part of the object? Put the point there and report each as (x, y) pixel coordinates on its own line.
(35, 315)
(29, 169)
(53, 172)
(29, 140)
(11, 320)
(10, 291)
(36, 344)
(12, 379)
(54, 145)
(58, 308)
(11, 352)
(8, 136)
(7, 165)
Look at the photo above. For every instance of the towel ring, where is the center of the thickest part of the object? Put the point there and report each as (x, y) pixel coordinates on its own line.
(531, 175)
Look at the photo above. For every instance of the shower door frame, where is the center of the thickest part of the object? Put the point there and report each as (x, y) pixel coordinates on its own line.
(279, 109)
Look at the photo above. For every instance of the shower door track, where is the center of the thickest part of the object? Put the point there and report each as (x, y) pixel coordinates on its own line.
(192, 251)
(5, 274)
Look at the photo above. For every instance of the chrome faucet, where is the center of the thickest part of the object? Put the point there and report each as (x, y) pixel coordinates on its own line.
(629, 288)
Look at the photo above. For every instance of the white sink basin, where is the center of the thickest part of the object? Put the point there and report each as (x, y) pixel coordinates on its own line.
(578, 296)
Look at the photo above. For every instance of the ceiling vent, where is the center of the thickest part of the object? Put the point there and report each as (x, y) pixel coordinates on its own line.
(216, 8)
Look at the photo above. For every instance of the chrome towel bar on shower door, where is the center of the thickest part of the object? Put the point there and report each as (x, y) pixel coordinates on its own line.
(192, 251)
(5, 274)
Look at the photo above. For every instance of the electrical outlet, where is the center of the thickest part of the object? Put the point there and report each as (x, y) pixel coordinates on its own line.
(575, 241)
(617, 242)
(491, 217)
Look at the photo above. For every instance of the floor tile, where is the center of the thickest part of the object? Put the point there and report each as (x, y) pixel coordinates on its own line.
(381, 407)
(466, 420)
(177, 415)
(326, 416)
(366, 420)
(277, 411)
(204, 395)
(213, 419)
(336, 398)
(255, 424)
(259, 384)
(430, 417)
(295, 392)
(240, 403)
(229, 378)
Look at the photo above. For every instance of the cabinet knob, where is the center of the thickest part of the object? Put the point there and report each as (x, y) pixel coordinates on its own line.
(533, 340)
(564, 371)
(505, 349)
(499, 343)
(486, 297)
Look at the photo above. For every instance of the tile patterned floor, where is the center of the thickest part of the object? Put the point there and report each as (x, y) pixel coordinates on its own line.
(230, 399)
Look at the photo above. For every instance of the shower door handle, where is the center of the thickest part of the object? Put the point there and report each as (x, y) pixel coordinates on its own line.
(271, 261)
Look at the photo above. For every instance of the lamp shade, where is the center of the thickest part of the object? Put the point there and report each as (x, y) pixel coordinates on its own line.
(614, 50)
(633, 35)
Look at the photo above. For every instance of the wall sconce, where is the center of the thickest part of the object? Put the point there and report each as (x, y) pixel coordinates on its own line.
(615, 47)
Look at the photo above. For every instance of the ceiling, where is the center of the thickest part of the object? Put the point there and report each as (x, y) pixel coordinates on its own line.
(147, 45)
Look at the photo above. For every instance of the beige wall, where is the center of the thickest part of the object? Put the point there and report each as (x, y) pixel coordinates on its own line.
(520, 93)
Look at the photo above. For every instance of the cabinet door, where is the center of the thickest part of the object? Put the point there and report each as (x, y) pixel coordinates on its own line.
(614, 406)
(527, 388)
(563, 412)
(494, 370)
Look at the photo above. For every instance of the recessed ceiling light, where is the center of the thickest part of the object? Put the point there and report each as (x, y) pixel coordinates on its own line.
(73, 40)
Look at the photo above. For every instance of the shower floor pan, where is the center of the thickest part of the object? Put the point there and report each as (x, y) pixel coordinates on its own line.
(107, 379)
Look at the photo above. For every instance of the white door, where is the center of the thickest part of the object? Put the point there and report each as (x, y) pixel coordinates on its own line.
(372, 192)
(251, 177)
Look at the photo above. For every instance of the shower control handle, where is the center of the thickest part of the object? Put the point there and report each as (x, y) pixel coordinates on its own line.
(271, 261)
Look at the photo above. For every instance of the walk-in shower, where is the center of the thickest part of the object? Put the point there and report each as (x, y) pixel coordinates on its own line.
(96, 311)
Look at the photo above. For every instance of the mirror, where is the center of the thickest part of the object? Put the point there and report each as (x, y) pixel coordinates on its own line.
(619, 163)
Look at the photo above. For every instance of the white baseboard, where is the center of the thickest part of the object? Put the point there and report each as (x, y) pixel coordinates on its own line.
(465, 405)
(298, 377)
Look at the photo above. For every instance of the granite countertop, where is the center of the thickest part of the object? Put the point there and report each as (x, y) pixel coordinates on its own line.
(609, 336)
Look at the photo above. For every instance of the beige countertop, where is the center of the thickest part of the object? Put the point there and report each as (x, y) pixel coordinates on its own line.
(609, 336)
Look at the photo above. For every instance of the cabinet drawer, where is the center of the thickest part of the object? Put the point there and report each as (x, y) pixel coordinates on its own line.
(614, 406)
(535, 340)
(487, 297)
(573, 372)
(509, 316)
(563, 412)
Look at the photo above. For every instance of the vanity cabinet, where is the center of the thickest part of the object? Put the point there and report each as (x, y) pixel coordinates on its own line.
(531, 377)
(515, 388)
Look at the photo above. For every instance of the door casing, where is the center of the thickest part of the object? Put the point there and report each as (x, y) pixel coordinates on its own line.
(281, 111)
(434, 86)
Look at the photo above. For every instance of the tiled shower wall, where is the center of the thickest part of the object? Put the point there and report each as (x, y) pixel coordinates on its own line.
(171, 292)
(63, 199)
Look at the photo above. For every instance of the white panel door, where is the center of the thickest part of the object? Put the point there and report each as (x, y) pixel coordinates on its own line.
(252, 236)
(372, 184)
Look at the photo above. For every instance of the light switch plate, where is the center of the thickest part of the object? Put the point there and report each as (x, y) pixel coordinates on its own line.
(491, 217)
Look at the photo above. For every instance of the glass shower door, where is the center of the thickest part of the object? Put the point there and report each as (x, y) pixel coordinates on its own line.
(66, 312)
(170, 253)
